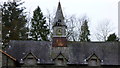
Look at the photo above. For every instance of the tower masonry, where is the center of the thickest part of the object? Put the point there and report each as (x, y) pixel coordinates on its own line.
(59, 28)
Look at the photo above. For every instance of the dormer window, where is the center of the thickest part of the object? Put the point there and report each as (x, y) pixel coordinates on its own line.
(60, 60)
(30, 59)
(93, 60)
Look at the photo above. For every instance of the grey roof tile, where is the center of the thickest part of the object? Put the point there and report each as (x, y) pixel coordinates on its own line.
(76, 52)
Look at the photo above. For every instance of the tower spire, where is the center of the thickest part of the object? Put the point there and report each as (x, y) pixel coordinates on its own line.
(59, 14)
(59, 28)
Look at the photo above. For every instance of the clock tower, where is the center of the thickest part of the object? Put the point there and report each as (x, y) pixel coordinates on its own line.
(59, 29)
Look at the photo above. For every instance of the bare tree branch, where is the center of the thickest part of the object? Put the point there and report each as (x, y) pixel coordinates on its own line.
(103, 30)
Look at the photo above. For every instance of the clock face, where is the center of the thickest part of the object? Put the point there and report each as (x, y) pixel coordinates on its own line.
(59, 31)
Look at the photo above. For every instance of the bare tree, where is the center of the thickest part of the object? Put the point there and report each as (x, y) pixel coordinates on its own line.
(103, 30)
(74, 24)
(81, 21)
(70, 22)
(71, 28)
(50, 20)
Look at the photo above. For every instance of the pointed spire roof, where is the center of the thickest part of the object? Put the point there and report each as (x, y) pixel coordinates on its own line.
(59, 13)
(59, 6)
(59, 18)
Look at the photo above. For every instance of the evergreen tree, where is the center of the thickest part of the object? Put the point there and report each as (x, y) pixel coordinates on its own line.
(84, 35)
(39, 29)
(13, 22)
(112, 37)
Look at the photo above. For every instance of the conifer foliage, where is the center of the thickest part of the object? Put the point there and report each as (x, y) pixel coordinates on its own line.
(84, 36)
(13, 22)
(112, 37)
(39, 29)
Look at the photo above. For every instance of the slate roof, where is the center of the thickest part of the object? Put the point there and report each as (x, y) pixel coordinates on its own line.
(76, 52)
(106, 51)
(19, 49)
(6, 55)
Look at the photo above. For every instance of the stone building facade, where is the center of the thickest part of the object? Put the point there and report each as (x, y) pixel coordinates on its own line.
(60, 53)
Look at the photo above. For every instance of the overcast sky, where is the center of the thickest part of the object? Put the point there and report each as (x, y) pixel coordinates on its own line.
(96, 10)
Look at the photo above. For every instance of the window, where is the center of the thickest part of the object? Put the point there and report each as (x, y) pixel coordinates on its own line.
(60, 60)
(93, 62)
(30, 60)
(59, 20)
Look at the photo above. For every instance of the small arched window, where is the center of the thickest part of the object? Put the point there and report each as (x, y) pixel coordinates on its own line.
(59, 20)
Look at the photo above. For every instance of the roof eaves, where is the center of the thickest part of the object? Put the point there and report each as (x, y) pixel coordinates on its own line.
(8, 55)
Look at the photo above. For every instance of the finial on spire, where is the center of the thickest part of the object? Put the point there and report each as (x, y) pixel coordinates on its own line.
(59, 6)
(59, 14)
